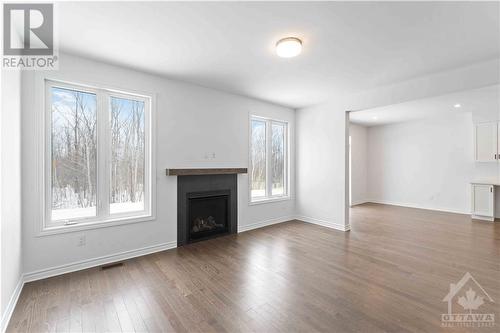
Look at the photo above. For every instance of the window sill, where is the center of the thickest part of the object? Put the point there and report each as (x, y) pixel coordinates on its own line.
(268, 200)
(62, 229)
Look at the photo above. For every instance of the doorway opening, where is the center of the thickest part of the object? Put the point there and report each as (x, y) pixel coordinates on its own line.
(423, 153)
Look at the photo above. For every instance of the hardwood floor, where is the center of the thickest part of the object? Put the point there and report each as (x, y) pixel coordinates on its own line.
(390, 273)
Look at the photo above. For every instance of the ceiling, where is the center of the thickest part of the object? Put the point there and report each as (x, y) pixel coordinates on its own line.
(347, 46)
(478, 101)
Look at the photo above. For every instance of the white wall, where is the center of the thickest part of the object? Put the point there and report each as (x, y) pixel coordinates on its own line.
(10, 203)
(321, 135)
(191, 120)
(359, 163)
(321, 168)
(424, 164)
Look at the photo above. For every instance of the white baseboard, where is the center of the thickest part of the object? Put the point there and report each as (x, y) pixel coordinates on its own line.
(410, 205)
(483, 218)
(328, 224)
(265, 223)
(358, 202)
(7, 314)
(88, 263)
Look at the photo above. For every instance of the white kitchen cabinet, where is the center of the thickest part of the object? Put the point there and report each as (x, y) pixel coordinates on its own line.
(498, 142)
(483, 202)
(486, 142)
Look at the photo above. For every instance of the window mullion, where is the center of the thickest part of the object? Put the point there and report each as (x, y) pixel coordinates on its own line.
(103, 153)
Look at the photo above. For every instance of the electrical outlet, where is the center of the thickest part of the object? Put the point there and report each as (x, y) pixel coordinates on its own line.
(209, 155)
(82, 240)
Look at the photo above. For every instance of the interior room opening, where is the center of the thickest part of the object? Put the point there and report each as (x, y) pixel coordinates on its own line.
(426, 153)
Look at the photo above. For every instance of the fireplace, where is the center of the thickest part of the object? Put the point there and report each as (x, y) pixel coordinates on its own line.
(206, 207)
(208, 214)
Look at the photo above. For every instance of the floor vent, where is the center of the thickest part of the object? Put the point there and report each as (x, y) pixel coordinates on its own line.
(113, 265)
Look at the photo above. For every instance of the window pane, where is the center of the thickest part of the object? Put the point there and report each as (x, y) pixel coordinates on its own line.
(258, 158)
(74, 143)
(127, 155)
(278, 159)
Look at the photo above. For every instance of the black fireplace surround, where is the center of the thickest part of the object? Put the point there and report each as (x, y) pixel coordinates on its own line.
(206, 207)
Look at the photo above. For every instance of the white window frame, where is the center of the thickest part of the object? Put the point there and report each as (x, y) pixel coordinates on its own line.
(269, 183)
(103, 217)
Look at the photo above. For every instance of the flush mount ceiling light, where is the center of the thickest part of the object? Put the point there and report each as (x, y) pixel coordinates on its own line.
(374, 117)
(457, 105)
(288, 47)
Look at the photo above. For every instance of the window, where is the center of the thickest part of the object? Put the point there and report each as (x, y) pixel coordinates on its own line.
(98, 155)
(74, 154)
(268, 159)
(127, 155)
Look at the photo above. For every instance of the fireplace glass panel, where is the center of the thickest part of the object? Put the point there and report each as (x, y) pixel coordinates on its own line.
(208, 216)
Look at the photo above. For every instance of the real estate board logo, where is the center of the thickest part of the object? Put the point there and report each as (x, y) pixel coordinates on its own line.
(28, 36)
(470, 296)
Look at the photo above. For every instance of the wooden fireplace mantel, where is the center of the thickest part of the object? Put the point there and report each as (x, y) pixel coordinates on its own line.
(205, 171)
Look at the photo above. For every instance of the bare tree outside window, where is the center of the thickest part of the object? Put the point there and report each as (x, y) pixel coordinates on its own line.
(278, 158)
(267, 159)
(258, 158)
(98, 156)
(127, 155)
(74, 154)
